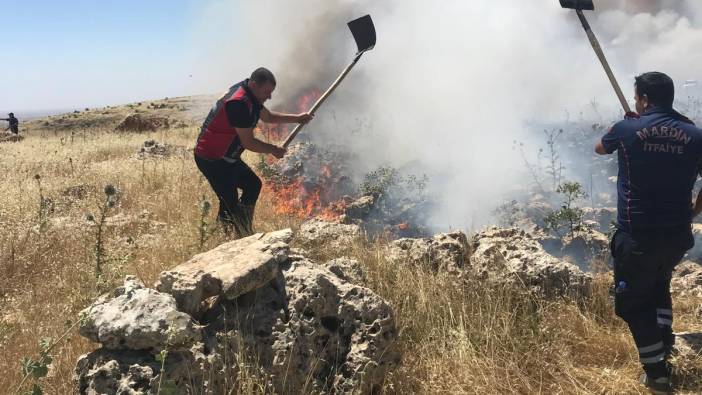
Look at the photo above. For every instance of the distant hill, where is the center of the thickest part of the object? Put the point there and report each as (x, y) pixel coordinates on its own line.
(180, 111)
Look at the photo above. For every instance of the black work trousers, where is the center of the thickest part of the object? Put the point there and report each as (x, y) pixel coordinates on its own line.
(226, 178)
(643, 266)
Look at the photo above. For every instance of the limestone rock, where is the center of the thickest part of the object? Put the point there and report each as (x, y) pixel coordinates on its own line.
(306, 330)
(231, 270)
(514, 255)
(328, 235)
(312, 331)
(687, 279)
(360, 208)
(131, 372)
(444, 251)
(584, 247)
(115, 372)
(138, 318)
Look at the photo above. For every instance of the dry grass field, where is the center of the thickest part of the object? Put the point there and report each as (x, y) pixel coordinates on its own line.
(455, 338)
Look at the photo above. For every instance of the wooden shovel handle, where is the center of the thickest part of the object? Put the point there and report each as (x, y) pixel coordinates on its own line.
(600, 55)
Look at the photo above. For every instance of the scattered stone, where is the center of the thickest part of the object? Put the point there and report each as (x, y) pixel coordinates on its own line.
(443, 252)
(154, 149)
(230, 270)
(514, 255)
(359, 209)
(138, 318)
(142, 123)
(328, 235)
(687, 279)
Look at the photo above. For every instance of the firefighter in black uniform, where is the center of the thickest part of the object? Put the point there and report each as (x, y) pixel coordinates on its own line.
(659, 155)
(14, 123)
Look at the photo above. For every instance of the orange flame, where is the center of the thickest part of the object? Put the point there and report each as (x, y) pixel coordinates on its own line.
(305, 102)
(278, 132)
(294, 199)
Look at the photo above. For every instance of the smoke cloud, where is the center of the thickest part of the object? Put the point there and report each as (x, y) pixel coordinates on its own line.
(450, 85)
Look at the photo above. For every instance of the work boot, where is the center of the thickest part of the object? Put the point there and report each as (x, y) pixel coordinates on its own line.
(246, 226)
(658, 386)
(656, 377)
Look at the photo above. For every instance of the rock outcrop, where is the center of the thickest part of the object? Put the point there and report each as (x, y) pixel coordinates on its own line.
(329, 236)
(230, 270)
(514, 255)
(443, 252)
(259, 311)
(585, 247)
(498, 255)
(312, 330)
(133, 317)
(142, 123)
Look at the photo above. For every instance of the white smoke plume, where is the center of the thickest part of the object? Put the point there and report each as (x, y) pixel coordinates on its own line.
(450, 84)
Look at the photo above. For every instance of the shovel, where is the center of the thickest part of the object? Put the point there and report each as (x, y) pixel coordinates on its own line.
(363, 32)
(579, 6)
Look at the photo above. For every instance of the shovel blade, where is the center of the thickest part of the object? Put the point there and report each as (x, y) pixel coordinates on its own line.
(578, 4)
(363, 32)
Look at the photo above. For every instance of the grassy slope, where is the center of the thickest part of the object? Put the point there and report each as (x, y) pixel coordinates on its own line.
(456, 338)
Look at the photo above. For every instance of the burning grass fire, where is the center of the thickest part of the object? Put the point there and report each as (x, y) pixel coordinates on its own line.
(308, 180)
(319, 182)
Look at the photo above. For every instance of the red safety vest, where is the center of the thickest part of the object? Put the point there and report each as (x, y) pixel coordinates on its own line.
(218, 139)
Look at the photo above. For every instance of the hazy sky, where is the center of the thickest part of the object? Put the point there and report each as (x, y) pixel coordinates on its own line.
(85, 53)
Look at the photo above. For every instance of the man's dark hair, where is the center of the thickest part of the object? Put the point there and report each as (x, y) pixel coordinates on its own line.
(262, 75)
(658, 87)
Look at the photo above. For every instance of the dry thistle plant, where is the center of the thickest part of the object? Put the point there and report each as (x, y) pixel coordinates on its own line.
(108, 203)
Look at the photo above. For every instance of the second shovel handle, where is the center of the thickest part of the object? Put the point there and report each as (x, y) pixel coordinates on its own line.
(600, 55)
